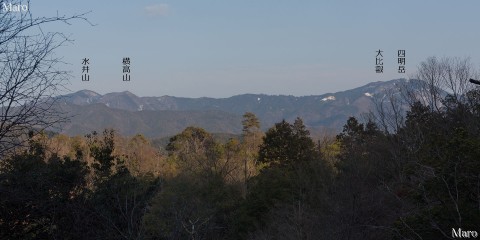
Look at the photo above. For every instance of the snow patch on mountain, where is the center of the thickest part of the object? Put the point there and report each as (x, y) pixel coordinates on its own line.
(329, 98)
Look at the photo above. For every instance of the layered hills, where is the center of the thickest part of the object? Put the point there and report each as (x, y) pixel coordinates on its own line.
(163, 116)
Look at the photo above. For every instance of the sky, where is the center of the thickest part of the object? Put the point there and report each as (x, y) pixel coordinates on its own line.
(218, 48)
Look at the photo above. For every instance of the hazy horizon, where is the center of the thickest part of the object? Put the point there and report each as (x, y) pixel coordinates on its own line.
(220, 49)
(139, 95)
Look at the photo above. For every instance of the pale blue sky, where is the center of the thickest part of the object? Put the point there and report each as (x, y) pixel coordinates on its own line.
(219, 48)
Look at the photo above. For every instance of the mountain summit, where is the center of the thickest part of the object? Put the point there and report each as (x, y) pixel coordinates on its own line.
(148, 115)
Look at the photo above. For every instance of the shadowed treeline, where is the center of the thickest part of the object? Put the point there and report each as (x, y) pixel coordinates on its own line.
(410, 174)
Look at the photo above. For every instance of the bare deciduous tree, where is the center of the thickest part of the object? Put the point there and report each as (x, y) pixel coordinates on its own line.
(29, 74)
(390, 108)
(435, 78)
(448, 75)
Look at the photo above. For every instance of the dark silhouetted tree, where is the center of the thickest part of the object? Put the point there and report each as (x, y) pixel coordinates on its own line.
(29, 74)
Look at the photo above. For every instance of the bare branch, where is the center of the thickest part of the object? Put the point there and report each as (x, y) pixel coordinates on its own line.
(29, 75)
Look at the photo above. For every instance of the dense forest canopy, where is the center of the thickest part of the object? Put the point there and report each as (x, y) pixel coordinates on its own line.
(417, 178)
(409, 170)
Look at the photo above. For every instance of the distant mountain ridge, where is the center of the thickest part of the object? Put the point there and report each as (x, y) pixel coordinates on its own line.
(166, 115)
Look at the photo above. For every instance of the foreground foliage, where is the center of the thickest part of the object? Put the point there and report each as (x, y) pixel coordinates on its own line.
(416, 183)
